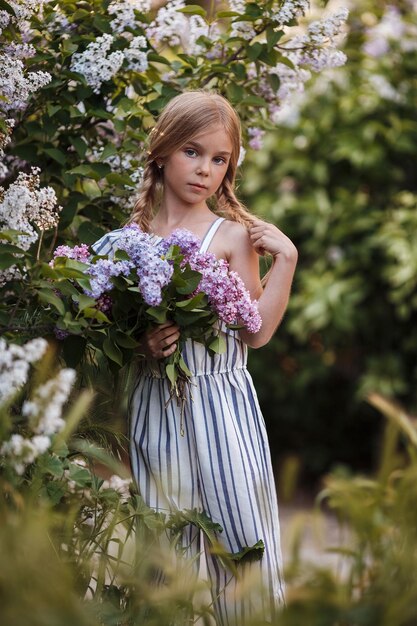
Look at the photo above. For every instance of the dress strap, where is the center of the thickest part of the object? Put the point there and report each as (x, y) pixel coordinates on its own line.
(208, 237)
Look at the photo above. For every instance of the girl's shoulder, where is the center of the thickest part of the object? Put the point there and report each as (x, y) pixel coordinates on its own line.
(106, 244)
(230, 238)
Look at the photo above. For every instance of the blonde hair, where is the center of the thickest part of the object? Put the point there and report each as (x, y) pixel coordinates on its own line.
(185, 116)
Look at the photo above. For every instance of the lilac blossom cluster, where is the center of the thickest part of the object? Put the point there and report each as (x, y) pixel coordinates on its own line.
(228, 295)
(225, 290)
(102, 271)
(78, 253)
(153, 271)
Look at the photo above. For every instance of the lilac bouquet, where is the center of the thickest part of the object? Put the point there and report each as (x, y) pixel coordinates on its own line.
(112, 299)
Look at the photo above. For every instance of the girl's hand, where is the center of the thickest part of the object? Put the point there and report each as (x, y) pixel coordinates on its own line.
(266, 237)
(160, 342)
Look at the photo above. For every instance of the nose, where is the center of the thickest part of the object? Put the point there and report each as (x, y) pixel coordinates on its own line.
(203, 167)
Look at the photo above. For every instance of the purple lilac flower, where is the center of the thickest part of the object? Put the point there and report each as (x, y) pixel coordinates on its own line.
(153, 272)
(60, 334)
(256, 138)
(227, 294)
(78, 253)
(101, 274)
(188, 243)
(104, 303)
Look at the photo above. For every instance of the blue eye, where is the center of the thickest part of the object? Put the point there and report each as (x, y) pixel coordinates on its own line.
(190, 152)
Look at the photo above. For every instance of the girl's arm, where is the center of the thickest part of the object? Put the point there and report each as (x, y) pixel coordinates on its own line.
(273, 297)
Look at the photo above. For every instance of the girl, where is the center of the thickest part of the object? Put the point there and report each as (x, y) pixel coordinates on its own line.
(222, 463)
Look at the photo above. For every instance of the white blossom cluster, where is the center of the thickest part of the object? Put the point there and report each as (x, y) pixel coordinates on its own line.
(44, 410)
(96, 64)
(137, 59)
(25, 205)
(291, 82)
(241, 28)
(15, 363)
(290, 10)
(391, 29)
(178, 29)
(4, 140)
(316, 49)
(24, 9)
(121, 485)
(17, 85)
(21, 451)
(124, 12)
(169, 26)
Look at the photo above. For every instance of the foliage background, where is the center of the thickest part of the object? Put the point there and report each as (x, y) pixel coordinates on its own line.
(338, 176)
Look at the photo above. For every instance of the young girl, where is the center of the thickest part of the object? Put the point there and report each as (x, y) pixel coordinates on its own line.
(222, 463)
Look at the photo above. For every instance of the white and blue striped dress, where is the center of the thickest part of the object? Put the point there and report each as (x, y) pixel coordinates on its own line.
(221, 465)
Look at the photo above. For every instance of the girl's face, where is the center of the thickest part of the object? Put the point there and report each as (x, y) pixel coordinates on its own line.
(194, 172)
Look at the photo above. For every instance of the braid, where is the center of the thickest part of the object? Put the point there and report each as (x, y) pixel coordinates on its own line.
(230, 206)
(143, 209)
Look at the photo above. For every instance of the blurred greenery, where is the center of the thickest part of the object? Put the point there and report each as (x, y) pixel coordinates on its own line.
(338, 176)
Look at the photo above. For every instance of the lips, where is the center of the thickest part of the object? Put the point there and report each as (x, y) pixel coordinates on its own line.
(198, 185)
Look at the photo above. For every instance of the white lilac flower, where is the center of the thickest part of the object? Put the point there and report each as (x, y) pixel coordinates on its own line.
(169, 25)
(241, 28)
(24, 205)
(17, 85)
(96, 64)
(124, 12)
(19, 50)
(390, 28)
(44, 410)
(383, 88)
(20, 451)
(317, 48)
(137, 59)
(289, 10)
(121, 485)
(23, 10)
(198, 27)
(15, 362)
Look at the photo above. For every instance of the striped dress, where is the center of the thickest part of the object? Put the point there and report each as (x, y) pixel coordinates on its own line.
(221, 465)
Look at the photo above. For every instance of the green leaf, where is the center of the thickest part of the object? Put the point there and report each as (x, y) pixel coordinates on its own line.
(217, 345)
(7, 7)
(56, 154)
(54, 491)
(235, 92)
(157, 313)
(6, 260)
(183, 366)
(249, 554)
(273, 36)
(47, 296)
(254, 50)
(84, 301)
(80, 475)
(49, 464)
(228, 14)
(193, 9)
(125, 340)
(191, 303)
(157, 58)
(112, 351)
(93, 313)
(172, 373)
